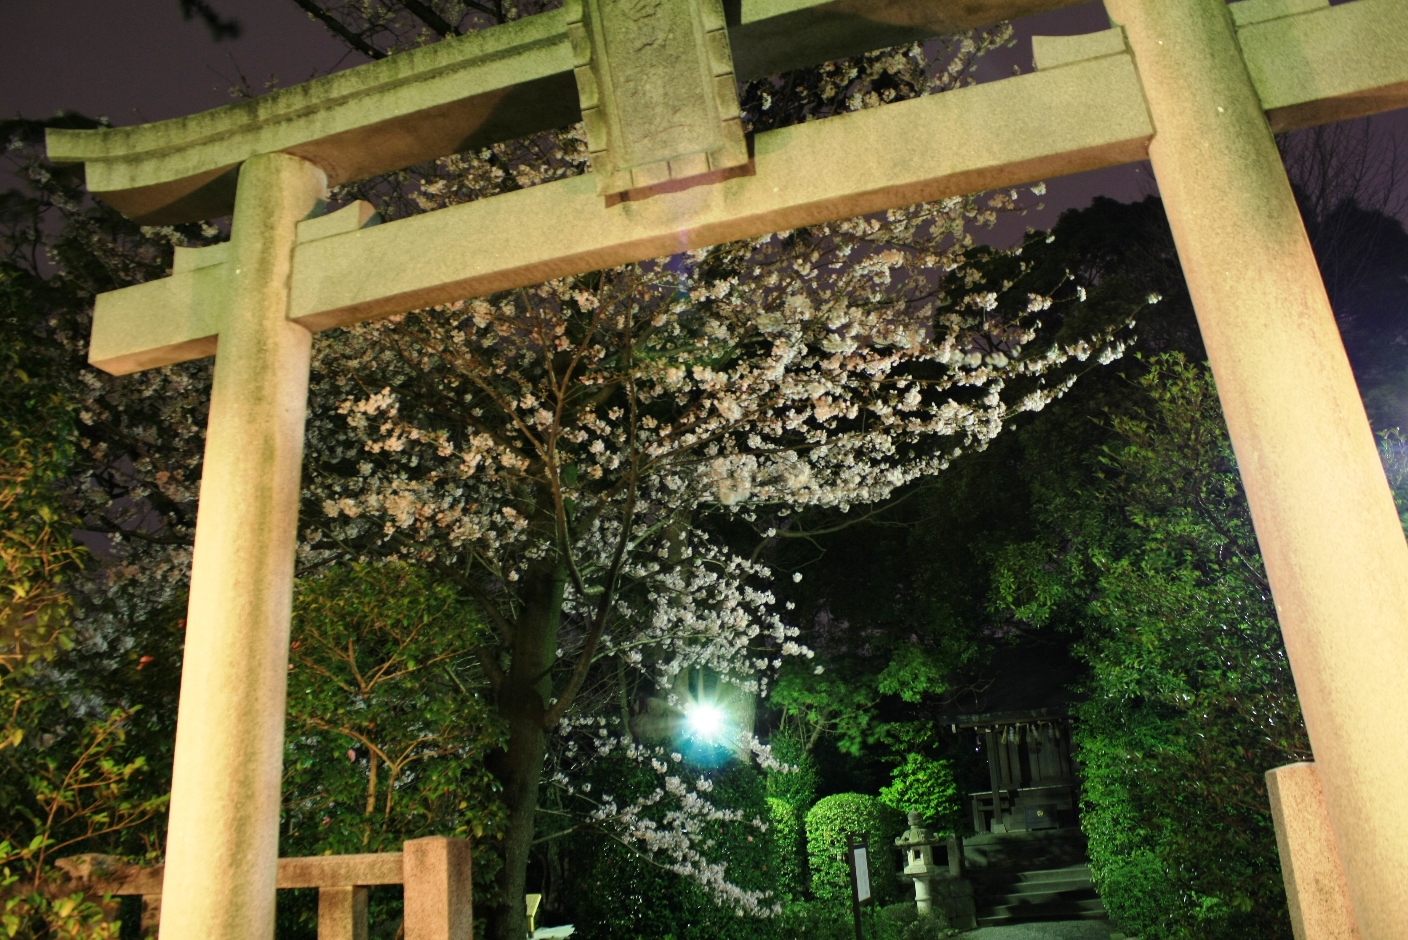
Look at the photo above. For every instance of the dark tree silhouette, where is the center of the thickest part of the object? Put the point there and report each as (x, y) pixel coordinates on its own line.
(220, 27)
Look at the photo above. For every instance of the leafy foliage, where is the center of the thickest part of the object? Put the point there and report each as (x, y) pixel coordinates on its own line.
(68, 778)
(815, 920)
(388, 726)
(788, 858)
(1190, 697)
(829, 823)
(797, 787)
(37, 553)
(923, 785)
(1393, 453)
(80, 790)
(834, 703)
(70, 917)
(895, 597)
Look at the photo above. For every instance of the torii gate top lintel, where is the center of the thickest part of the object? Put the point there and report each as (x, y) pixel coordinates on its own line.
(1081, 110)
(503, 83)
(497, 84)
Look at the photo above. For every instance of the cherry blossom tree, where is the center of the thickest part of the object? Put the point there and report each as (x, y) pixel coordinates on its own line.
(570, 455)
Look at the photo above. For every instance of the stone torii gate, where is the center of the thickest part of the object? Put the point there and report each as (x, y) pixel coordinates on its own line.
(1195, 86)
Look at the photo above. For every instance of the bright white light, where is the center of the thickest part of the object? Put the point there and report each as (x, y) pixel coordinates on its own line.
(706, 722)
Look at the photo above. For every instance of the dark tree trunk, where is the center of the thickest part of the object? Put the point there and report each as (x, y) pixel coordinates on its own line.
(523, 701)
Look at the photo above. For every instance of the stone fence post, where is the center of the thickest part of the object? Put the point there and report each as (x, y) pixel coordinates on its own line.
(439, 889)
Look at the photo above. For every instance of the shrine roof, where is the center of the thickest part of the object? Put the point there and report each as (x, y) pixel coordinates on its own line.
(1029, 682)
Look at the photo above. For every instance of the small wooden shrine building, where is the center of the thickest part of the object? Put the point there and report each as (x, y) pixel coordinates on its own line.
(1021, 719)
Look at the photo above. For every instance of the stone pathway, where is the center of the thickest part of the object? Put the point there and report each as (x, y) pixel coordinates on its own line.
(1056, 930)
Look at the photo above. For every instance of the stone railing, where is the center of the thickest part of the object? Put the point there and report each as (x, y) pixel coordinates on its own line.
(435, 872)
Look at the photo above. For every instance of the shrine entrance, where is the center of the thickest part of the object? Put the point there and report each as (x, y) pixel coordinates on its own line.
(1196, 86)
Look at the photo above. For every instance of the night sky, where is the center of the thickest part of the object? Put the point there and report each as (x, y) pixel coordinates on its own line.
(134, 62)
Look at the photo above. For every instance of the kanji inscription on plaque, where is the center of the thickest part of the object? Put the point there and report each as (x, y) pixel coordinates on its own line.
(657, 89)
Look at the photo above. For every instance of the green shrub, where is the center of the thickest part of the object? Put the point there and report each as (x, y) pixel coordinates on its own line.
(925, 786)
(615, 894)
(788, 861)
(1136, 887)
(378, 658)
(829, 822)
(905, 923)
(932, 927)
(796, 787)
(812, 920)
(815, 920)
(1149, 553)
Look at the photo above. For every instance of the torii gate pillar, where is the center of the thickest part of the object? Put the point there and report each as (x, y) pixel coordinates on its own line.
(1324, 516)
(222, 841)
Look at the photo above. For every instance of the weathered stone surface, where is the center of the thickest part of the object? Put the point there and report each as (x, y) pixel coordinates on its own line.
(1079, 117)
(439, 889)
(515, 80)
(655, 79)
(1245, 12)
(497, 84)
(1330, 63)
(1078, 114)
(176, 318)
(222, 839)
(341, 880)
(314, 871)
(151, 915)
(1316, 891)
(1072, 119)
(342, 913)
(1051, 52)
(318, 871)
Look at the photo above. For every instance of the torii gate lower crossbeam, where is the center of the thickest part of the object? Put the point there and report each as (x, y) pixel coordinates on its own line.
(1209, 75)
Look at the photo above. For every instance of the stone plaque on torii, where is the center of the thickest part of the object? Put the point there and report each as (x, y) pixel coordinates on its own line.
(1195, 86)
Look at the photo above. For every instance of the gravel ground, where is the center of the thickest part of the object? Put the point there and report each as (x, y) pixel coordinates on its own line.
(1058, 930)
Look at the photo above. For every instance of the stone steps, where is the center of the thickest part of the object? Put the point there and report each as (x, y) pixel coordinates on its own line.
(1074, 873)
(1065, 893)
(1020, 851)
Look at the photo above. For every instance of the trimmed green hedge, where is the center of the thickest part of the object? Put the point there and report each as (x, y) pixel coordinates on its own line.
(797, 787)
(828, 824)
(788, 865)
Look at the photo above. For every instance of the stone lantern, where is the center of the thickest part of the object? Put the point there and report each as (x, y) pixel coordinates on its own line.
(918, 846)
